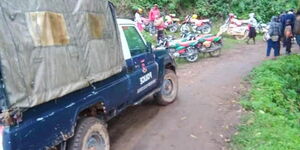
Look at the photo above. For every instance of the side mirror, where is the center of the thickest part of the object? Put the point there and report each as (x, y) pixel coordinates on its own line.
(149, 46)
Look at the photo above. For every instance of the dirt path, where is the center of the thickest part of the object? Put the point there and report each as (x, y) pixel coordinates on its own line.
(205, 114)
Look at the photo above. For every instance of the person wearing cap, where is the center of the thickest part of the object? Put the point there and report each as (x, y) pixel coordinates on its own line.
(154, 12)
(138, 19)
(252, 23)
(194, 19)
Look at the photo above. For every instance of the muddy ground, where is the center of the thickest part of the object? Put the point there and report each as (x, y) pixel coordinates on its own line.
(206, 112)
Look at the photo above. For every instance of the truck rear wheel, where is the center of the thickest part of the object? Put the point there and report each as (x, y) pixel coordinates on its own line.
(169, 89)
(90, 134)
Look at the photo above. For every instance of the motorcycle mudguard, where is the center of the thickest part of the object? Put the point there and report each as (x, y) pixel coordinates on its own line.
(217, 39)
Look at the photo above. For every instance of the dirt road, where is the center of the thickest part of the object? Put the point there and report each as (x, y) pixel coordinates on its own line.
(205, 113)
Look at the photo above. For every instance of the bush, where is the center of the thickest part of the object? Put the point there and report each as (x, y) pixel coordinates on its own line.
(274, 100)
(264, 9)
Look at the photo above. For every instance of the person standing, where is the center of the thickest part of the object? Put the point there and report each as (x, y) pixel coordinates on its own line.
(154, 12)
(138, 19)
(288, 34)
(274, 33)
(160, 26)
(289, 15)
(252, 23)
(297, 28)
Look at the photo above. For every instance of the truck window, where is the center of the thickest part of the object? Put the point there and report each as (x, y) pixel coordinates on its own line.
(135, 42)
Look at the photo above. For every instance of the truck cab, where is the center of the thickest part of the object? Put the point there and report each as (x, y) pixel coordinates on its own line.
(77, 121)
(140, 59)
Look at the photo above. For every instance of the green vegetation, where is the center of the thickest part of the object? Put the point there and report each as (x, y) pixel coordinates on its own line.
(212, 8)
(274, 102)
(149, 38)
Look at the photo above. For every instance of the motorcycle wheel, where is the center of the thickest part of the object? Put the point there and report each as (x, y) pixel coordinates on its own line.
(173, 29)
(184, 28)
(242, 37)
(194, 57)
(216, 53)
(206, 29)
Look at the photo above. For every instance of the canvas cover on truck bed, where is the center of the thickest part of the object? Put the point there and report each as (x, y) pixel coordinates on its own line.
(50, 48)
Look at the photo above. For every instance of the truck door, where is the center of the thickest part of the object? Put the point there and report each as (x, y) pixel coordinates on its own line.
(144, 69)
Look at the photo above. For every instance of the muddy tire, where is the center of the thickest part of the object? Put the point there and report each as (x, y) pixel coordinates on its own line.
(216, 53)
(193, 58)
(90, 134)
(169, 89)
(192, 55)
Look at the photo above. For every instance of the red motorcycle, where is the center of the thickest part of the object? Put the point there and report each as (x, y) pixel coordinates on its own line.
(237, 28)
(180, 48)
(172, 23)
(200, 26)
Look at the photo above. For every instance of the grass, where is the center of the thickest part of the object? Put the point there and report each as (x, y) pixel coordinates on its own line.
(273, 103)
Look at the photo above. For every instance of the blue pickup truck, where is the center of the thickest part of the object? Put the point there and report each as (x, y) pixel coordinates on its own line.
(77, 120)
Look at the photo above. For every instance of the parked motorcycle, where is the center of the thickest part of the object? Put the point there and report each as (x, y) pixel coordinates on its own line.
(238, 29)
(210, 44)
(189, 48)
(185, 50)
(181, 48)
(192, 36)
(149, 26)
(172, 23)
(195, 25)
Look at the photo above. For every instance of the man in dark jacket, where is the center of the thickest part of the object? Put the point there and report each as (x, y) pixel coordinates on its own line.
(283, 19)
(297, 27)
(291, 16)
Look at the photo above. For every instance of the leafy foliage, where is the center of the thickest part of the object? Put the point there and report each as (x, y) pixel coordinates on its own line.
(275, 102)
(264, 9)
